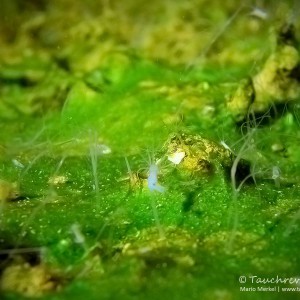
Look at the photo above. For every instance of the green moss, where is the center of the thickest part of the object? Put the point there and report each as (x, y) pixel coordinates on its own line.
(77, 100)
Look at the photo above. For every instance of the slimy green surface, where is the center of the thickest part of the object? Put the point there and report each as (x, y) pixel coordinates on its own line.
(87, 108)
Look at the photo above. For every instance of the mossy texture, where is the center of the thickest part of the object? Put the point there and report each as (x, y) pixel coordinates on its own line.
(98, 98)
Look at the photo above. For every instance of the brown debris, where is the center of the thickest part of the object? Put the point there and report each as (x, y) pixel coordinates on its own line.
(30, 281)
(276, 84)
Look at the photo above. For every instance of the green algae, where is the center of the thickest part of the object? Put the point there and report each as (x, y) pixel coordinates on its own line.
(70, 117)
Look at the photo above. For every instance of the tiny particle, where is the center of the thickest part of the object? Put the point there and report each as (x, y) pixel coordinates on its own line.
(56, 180)
(18, 163)
(277, 147)
(103, 149)
(176, 157)
(259, 13)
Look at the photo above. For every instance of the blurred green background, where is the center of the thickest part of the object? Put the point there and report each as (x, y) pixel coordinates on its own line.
(93, 93)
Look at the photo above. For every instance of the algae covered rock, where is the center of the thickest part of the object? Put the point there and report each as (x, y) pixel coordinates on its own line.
(242, 99)
(277, 83)
(195, 154)
(184, 157)
(30, 281)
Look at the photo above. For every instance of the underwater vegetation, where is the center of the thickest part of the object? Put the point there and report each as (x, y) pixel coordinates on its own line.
(149, 150)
